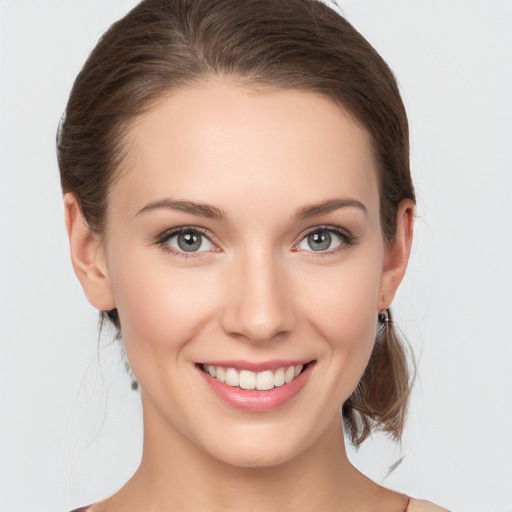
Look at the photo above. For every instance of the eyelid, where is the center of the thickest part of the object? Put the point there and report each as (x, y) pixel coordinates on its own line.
(348, 239)
(163, 237)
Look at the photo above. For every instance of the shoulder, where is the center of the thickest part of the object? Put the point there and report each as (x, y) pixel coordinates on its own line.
(424, 506)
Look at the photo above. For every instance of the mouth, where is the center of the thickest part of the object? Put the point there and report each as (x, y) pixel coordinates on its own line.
(255, 387)
(264, 380)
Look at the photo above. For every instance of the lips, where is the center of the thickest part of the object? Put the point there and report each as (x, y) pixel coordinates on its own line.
(256, 387)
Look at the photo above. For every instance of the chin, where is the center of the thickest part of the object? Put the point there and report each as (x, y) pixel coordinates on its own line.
(254, 448)
(257, 456)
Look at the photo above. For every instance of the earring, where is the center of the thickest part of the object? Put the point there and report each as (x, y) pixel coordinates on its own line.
(384, 317)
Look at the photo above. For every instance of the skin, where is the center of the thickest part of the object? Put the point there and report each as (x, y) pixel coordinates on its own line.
(256, 292)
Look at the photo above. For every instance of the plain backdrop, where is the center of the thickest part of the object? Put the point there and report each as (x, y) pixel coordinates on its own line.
(70, 426)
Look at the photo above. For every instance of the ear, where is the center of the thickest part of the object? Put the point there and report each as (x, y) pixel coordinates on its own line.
(397, 253)
(87, 257)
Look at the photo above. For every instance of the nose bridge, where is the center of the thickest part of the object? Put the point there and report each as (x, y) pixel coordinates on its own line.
(258, 305)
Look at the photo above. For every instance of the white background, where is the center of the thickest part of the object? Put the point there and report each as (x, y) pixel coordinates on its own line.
(70, 428)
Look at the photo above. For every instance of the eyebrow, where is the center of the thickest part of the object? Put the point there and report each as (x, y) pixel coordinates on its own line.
(212, 212)
(328, 206)
(200, 209)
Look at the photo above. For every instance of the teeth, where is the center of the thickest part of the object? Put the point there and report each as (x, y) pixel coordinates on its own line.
(264, 380)
(221, 374)
(246, 379)
(232, 377)
(279, 379)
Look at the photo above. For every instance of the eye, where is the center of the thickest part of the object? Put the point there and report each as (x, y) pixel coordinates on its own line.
(325, 240)
(186, 240)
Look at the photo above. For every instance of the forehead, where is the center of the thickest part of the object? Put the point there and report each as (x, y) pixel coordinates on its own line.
(220, 140)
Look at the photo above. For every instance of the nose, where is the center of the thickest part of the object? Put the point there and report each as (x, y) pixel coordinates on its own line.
(259, 305)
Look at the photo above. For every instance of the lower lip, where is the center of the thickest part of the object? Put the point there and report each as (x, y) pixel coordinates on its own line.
(254, 400)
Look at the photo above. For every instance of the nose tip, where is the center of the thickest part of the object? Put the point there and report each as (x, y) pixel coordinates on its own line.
(259, 307)
(259, 325)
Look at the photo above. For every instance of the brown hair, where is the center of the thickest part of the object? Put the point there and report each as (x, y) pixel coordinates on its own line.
(162, 45)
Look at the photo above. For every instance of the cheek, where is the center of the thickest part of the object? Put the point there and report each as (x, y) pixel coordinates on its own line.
(343, 300)
(341, 307)
(160, 308)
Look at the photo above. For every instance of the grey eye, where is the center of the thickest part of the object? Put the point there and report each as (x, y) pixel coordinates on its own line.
(189, 241)
(319, 240)
(323, 239)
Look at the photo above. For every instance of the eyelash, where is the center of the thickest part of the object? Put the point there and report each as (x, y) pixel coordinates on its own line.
(348, 240)
(170, 233)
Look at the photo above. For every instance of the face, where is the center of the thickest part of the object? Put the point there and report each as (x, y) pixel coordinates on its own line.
(243, 241)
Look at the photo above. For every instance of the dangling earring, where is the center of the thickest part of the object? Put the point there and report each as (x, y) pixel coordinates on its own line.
(384, 317)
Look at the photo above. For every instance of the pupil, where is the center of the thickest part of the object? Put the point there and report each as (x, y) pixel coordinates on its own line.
(189, 241)
(319, 241)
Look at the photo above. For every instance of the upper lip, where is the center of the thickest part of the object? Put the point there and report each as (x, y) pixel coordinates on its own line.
(274, 364)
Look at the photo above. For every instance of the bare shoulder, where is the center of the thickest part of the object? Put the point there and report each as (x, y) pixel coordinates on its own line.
(424, 506)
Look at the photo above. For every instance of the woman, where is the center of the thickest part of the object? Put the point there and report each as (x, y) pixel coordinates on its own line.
(239, 204)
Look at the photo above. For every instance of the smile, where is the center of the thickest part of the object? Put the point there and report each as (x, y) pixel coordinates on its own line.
(263, 387)
(246, 379)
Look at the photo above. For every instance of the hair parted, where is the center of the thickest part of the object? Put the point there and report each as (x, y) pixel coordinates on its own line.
(164, 45)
